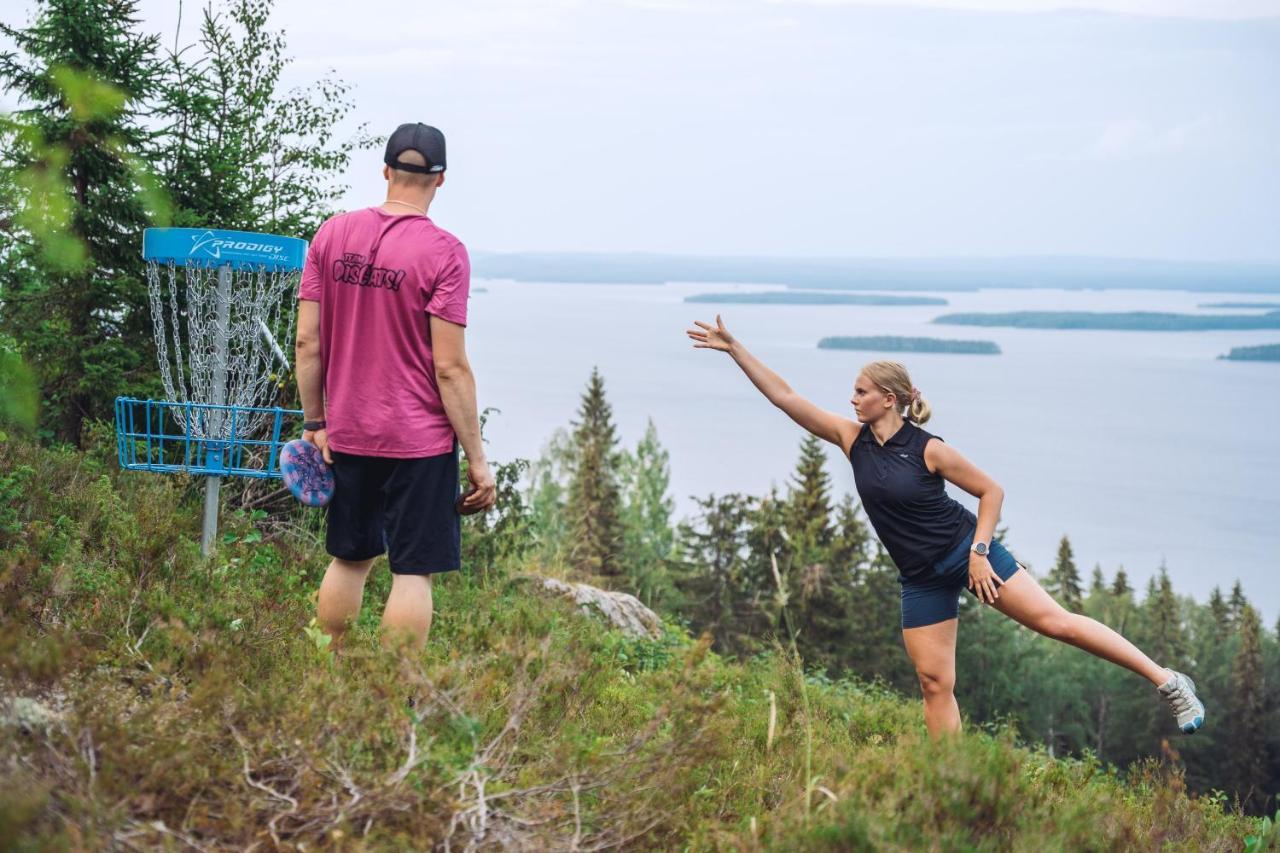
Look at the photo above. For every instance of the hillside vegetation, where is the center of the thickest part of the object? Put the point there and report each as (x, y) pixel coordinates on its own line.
(155, 699)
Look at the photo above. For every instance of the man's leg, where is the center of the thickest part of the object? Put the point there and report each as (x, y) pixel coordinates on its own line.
(407, 618)
(341, 592)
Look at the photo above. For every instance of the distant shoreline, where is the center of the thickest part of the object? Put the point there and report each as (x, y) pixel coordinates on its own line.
(1263, 352)
(1132, 321)
(790, 297)
(885, 343)
(883, 274)
(1253, 305)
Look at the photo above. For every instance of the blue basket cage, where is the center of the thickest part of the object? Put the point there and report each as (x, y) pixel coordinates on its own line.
(148, 439)
(148, 435)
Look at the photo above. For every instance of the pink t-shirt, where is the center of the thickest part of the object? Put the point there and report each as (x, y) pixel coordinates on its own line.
(377, 276)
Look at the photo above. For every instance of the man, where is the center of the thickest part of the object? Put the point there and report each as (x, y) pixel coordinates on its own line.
(387, 392)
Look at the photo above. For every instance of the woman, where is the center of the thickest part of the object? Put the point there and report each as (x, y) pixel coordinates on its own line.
(939, 546)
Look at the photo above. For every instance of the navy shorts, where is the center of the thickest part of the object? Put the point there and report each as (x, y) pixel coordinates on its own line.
(401, 507)
(934, 596)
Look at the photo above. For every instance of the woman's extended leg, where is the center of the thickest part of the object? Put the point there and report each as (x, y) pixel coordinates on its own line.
(1024, 600)
(933, 650)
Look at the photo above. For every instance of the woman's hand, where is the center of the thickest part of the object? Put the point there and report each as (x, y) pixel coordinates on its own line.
(711, 337)
(983, 579)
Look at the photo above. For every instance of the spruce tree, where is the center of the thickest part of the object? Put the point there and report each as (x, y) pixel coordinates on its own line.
(849, 540)
(1120, 586)
(1165, 640)
(1247, 736)
(1063, 582)
(72, 281)
(1097, 583)
(808, 507)
(1237, 604)
(1219, 613)
(711, 576)
(595, 505)
(647, 509)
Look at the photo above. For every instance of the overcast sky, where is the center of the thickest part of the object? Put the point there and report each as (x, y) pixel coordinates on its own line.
(1135, 128)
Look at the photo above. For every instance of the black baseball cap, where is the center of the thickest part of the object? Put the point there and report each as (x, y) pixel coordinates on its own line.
(424, 139)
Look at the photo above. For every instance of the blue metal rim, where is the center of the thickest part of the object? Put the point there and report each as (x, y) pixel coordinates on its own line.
(211, 247)
(143, 444)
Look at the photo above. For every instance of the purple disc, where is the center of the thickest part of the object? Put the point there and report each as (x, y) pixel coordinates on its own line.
(305, 473)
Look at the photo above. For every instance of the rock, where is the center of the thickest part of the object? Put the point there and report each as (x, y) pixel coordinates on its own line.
(622, 609)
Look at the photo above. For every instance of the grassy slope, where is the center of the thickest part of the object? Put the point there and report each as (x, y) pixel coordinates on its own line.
(196, 708)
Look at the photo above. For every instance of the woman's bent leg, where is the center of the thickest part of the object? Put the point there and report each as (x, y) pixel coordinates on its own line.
(933, 651)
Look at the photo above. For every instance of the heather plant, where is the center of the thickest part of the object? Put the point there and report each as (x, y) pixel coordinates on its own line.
(155, 698)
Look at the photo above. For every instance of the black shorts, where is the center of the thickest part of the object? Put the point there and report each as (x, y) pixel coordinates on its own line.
(404, 507)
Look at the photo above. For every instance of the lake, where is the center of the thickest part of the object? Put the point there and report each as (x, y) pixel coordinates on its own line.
(1143, 447)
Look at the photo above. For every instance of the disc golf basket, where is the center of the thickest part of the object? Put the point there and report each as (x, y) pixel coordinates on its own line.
(218, 299)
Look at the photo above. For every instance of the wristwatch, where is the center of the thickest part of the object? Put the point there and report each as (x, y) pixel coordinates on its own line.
(312, 426)
(979, 548)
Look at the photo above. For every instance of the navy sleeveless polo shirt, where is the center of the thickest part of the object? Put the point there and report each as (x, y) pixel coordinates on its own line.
(914, 517)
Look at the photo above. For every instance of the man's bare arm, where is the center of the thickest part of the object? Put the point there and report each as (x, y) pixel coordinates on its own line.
(458, 393)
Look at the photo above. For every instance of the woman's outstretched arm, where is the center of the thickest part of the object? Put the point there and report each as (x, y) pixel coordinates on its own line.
(825, 425)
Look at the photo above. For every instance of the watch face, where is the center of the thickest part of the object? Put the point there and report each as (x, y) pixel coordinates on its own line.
(980, 549)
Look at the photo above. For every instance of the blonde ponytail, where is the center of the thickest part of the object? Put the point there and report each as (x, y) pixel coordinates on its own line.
(892, 378)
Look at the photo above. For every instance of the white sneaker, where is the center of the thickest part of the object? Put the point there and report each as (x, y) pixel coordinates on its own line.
(1180, 693)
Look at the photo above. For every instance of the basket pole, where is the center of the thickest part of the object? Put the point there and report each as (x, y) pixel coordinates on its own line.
(213, 485)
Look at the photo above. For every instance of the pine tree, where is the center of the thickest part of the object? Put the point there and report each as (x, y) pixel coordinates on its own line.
(1237, 604)
(850, 538)
(646, 510)
(1097, 583)
(1063, 582)
(72, 281)
(1120, 586)
(1220, 613)
(595, 505)
(1247, 738)
(1165, 641)
(712, 575)
(808, 507)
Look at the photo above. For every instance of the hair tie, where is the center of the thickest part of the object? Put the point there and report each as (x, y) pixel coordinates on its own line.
(915, 394)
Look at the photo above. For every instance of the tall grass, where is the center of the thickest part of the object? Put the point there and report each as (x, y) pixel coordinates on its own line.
(153, 698)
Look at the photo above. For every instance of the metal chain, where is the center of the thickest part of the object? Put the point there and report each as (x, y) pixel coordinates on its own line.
(187, 372)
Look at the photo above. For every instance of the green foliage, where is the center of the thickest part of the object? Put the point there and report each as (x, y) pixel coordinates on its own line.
(19, 397)
(1063, 582)
(595, 504)
(72, 288)
(1247, 740)
(239, 150)
(644, 480)
(1268, 837)
(184, 691)
(83, 169)
(891, 343)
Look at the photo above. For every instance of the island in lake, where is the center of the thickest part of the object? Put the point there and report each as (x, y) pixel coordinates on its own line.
(886, 343)
(794, 297)
(1133, 321)
(1240, 305)
(1265, 352)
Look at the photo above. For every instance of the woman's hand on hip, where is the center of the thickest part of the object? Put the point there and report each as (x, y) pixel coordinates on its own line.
(983, 579)
(707, 336)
